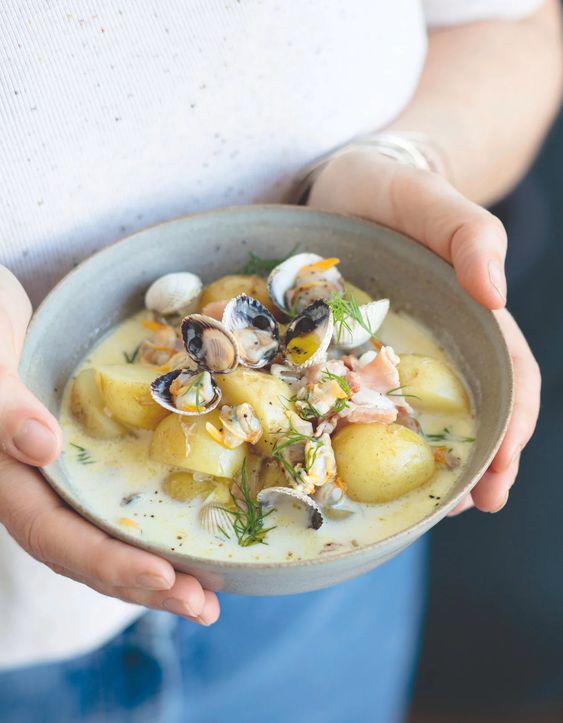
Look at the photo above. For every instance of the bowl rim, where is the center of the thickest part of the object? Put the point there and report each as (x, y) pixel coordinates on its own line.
(395, 540)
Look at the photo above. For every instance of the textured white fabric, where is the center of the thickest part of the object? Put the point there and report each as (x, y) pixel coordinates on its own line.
(453, 12)
(118, 114)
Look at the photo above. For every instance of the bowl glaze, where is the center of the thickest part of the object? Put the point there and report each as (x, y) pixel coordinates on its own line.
(109, 286)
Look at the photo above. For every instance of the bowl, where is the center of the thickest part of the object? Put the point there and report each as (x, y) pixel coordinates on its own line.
(109, 286)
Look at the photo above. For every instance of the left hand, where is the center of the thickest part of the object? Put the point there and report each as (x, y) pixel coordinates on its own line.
(427, 208)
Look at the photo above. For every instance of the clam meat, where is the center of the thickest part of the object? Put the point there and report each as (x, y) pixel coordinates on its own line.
(209, 343)
(184, 391)
(239, 424)
(255, 330)
(302, 279)
(292, 504)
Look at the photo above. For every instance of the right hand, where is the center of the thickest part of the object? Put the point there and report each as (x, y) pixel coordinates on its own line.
(42, 523)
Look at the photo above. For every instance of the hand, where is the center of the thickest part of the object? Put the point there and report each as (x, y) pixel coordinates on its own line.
(427, 208)
(42, 523)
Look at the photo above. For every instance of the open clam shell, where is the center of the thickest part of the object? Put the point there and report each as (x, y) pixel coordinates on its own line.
(352, 334)
(309, 335)
(209, 343)
(215, 519)
(292, 504)
(205, 396)
(255, 330)
(173, 293)
(284, 277)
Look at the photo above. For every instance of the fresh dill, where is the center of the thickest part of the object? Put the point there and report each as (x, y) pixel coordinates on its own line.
(247, 517)
(344, 311)
(447, 435)
(83, 455)
(256, 265)
(197, 382)
(327, 376)
(289, 438)
(396, 392)
(131, 358)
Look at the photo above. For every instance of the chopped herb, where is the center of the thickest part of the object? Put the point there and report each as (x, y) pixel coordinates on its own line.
(447, 434)
(346, 310)
(247, 519)
(262, 267)
(83, 455)
(287, 439)
(327, 376)
(396, 392)
(130, 358)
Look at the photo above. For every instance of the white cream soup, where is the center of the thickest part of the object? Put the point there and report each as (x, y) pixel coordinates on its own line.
(118, 481)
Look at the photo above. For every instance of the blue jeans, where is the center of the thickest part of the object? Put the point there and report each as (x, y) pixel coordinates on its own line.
(342, 655)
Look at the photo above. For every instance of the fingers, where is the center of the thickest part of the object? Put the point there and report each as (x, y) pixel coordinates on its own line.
(28, 432)
(424, 206)
(527, 387)
(463, 506)
(490, 494)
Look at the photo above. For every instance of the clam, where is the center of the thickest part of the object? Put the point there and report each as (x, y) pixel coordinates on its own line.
(215, 519)
(302, 279)
(209, 343)
(292, 503)
(255, 330)
(184, 391)
(173, 294)
(309, 335)
(351, 334)
(329, 497)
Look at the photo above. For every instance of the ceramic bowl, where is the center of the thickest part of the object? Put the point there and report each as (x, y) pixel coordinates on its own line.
(109, 286)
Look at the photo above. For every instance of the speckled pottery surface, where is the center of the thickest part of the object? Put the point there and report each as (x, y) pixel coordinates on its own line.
(109, 287)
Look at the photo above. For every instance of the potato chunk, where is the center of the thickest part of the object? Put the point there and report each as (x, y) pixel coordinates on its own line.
(227, 287)
(269, 397)
(437, 387)
(183, 441)
(126, 392)
(380, 462)
(87, 406)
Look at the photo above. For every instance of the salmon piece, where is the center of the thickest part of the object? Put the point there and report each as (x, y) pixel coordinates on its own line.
(215, 309)
(381, 374)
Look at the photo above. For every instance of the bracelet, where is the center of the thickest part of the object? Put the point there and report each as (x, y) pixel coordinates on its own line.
(409, 148)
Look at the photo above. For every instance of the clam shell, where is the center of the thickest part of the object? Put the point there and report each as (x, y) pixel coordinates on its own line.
(173, 293)
(215, 519)
(246, 313)
(316, 319)
(160, 392)
(292, 503)
(210, 344)
(282, 277)
(373, 314)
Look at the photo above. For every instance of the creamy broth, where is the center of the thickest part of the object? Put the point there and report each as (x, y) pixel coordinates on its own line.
(118, 482)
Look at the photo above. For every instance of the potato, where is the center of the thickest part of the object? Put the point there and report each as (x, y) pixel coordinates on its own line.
(183, 441)
(379, 462)
(269, 397)
(351, 291)
(87, 405)
(437, 387)
(182, 486)
(125, 389)
(227, 287)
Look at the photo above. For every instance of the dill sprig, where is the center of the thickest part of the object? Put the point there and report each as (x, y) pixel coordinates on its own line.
(247, 519)
(396, 392)
(131, 358)
(344, 310)
(197, 382)
(327, 376)
(83, 455)
(447, 435)
(261, 267)
(289, 438)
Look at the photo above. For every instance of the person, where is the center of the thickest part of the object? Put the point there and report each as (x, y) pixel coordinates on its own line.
(144, 111)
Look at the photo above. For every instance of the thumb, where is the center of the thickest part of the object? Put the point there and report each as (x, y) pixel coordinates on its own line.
(28, 431)
(425, 207)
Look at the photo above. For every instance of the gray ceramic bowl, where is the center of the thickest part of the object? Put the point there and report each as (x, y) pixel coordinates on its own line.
(110, 285)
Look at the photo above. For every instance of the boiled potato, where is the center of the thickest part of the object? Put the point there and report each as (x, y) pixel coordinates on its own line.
(227, 287)
(125, 389)
(269, 397)
(437, 387)
(380, 462)
(183, 441)
(87, 405)
(353, 292)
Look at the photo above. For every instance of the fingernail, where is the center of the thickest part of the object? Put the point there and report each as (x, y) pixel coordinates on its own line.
(498, 509)
(152, 582)
(35, 440)
(201, 621)
(178, 607)
(496, 277)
